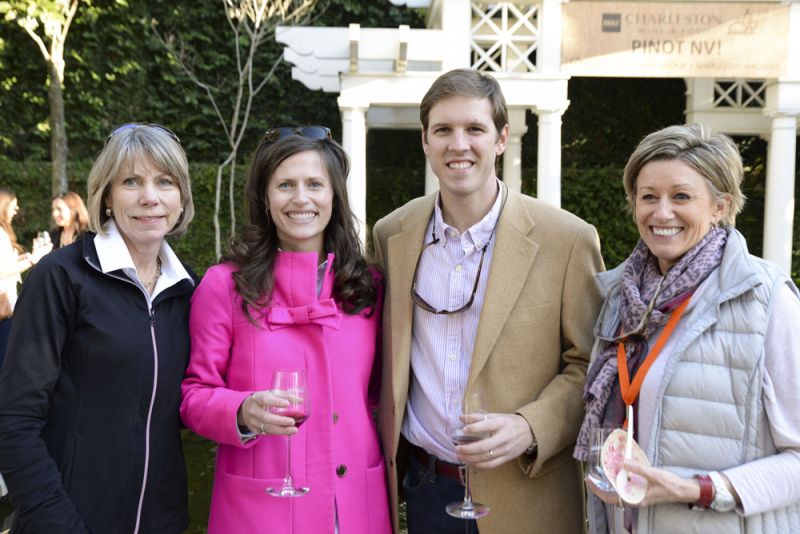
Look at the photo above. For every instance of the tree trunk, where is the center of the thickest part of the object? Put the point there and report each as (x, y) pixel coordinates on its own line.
(58, 133)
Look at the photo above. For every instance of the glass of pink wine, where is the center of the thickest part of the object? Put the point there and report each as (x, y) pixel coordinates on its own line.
(291, 385)
(473, 409)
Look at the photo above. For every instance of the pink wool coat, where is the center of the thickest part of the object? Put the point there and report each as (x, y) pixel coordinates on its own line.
(336, 452)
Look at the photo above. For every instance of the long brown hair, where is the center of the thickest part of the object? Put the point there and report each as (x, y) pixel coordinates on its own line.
(7, 196)
(80, 217)
(255, 249)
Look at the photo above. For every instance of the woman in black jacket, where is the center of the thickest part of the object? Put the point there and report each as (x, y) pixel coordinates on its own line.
(89, 395)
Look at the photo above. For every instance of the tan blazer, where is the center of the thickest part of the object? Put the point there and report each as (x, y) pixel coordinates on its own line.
(531, 352)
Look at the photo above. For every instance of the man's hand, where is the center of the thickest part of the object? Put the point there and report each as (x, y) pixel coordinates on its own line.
(509, 437)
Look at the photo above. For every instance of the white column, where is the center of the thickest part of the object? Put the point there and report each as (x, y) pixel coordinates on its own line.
(512, 157)
(456, 22)
(548, 169)
(431, 181)
(354, 141)
(779, 197)
(548, 54)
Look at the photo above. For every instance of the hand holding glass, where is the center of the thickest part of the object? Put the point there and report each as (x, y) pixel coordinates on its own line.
(473, 409)
(291, 385)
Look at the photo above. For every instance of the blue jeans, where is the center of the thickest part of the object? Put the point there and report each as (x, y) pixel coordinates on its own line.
(426, 495)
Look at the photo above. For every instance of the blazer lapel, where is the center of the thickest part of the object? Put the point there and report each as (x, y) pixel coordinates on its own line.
(403, 250)
(514, 253)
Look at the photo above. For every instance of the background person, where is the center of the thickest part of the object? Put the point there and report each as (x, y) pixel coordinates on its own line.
(523, 337)
(717, 412)
(70, 219)
(13, 261)
(89, 394)
(295, 293)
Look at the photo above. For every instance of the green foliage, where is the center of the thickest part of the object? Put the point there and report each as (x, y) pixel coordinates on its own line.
(368, 14)
(597, 196)
(117, 72)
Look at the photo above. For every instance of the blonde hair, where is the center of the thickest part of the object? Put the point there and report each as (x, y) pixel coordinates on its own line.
(714, 156)
(121, 150)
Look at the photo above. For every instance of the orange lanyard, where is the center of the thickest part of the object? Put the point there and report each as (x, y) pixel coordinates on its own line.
(631, 391)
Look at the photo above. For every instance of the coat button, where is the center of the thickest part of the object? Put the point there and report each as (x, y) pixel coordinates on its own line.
(341, 471)
(335, 417)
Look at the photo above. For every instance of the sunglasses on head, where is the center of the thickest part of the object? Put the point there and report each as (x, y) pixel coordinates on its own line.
(318, 133)
(134, 125)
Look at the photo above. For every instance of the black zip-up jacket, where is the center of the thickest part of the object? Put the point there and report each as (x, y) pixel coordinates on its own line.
(89, 397)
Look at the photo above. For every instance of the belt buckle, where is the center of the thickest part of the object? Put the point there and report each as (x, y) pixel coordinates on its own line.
(462, 473)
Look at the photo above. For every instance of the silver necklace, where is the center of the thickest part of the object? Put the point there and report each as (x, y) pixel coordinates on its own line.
(152, 283)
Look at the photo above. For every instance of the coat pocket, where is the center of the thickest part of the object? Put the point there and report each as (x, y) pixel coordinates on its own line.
(241, 504)
(378, 500)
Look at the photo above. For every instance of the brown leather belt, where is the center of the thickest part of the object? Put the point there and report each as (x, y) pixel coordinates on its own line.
(431, 462)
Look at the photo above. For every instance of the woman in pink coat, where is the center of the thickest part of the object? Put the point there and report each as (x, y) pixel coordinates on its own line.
(295, 293)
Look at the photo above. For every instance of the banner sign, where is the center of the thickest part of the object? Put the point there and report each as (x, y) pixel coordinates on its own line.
(674, 39)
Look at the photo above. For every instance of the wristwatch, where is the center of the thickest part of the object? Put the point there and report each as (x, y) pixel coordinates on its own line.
(533, 451)
(723, 498)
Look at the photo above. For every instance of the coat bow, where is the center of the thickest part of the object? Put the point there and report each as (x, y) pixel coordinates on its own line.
(323, 312)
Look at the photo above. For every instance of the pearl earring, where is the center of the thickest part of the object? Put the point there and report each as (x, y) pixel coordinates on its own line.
(108, 212)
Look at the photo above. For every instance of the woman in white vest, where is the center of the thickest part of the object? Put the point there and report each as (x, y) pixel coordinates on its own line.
(701, 339)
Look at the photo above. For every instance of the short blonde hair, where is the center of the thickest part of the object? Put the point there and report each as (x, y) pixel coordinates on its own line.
(714, 156)
(121, 150)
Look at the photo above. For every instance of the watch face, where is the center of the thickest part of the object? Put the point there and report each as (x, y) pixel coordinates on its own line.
(723, 499)
(723, 504)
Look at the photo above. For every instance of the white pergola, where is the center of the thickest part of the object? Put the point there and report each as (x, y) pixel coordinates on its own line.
(381, 75)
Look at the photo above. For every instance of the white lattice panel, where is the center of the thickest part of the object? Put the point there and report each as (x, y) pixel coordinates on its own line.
(739, 93)
(505, 36)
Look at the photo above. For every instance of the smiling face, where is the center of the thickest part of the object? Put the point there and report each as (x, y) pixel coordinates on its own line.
(145, 204)
(674, 209)
(62, 215)
(462, 144)
(300, 202)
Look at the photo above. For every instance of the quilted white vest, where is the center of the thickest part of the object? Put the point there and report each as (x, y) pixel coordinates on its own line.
(711, 415)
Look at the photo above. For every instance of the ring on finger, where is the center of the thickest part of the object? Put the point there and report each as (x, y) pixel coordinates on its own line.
(262, 429)
(491, 454)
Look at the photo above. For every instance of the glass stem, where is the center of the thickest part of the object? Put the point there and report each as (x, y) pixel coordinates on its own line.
(467, 491)
(287, 482)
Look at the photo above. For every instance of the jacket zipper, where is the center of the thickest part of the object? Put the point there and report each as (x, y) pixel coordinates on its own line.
(152, 395)
(149, 419)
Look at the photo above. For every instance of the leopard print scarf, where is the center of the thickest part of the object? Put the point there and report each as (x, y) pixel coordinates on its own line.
(642, 285)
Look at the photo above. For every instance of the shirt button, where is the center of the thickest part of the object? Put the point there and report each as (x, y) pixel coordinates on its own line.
(458, 268)
(341, 471)
(453, 357)
(335, 417)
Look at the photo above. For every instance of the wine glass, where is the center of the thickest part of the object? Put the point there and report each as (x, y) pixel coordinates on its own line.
(595, 471)
(291, 385)
(473, 409)
(597, 474)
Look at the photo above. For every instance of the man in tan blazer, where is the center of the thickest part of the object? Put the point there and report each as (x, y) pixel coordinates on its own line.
(487, 290)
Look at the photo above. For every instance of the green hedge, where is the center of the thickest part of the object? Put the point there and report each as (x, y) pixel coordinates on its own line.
(595, 195)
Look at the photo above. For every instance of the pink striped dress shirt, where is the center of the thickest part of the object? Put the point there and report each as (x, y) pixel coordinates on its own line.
(441, 345)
